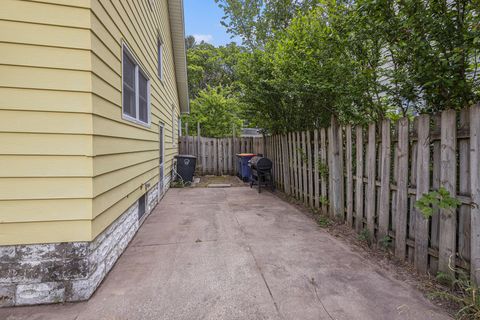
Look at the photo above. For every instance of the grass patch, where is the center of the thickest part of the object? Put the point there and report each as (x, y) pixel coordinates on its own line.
(323, 221)
(460, 291)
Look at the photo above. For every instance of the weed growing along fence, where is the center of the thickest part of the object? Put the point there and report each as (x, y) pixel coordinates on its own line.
(411, 185)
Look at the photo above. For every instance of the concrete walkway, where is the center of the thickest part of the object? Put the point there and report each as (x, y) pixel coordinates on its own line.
(234, 254)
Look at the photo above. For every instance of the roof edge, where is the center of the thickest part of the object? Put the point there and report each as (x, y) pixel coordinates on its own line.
(177, 29)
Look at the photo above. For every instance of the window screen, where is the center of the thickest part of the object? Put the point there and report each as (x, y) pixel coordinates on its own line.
(129, 107)
(143, 97)
(136, 102)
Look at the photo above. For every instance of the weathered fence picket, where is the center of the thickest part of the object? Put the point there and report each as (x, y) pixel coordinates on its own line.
(316, 159)
(436, 159)
(324, 173)
(475, 192)
(464, 188)
(349, 173)
(384, 207)
(298, 166)
(371, 182)
(292, 164)
(448, 180)
(423, 187)
(359, 200)
(401, 217)
(310, 169)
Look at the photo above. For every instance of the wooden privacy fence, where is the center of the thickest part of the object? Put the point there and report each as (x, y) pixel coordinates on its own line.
(371, 177)
(217, 156)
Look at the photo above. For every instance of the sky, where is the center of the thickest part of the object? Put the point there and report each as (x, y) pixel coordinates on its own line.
(202, 20)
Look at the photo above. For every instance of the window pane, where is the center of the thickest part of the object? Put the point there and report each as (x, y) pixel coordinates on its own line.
(128, 79)
(143, 111)
(143, 97)
(142, 85)
(129, 102)
(128, 71)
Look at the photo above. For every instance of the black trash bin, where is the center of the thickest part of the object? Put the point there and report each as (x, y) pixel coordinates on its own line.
(186, 166)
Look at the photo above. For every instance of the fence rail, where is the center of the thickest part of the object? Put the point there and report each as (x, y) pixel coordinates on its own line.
(371, 178)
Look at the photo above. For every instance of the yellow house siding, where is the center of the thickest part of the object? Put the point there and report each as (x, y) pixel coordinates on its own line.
(46, 125)
(44, 78)
(126, 154)
(44, 35)
(47, 57)
(70, 3)
(45, 232)
(45, 122)
(24, 166)
(45, 144)
(41, 13)
(73, 164)
(45, 210)
(44, 100)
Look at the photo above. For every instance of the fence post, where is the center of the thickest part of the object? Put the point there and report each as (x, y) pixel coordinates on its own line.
(293, 173)
(475, 192)
(402, 190)
(435, 185)
(285, 154)
(464, 188)
(198, 142)
(310, 169)
(323, 156)
(423, 186)
(448, 180)
(336, 170)
(371, 183)
(349, 200)
(384, 210)
(359, 198)
(298, 165)
(316, 179)
(304, 163)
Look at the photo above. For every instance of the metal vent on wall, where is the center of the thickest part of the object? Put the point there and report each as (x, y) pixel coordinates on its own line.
(141, 206)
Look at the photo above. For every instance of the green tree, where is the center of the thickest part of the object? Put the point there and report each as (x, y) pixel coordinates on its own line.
(314, 69)
(217, 111)
(257, 21)
(432, 49)
(211, 66)
(359, 60)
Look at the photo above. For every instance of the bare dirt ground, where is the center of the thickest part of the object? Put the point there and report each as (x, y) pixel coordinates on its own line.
(233, 180)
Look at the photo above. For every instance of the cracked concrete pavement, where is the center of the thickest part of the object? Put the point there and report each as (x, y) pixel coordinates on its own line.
(236, 254)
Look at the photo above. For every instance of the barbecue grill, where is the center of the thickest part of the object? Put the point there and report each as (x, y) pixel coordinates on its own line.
(261, 172)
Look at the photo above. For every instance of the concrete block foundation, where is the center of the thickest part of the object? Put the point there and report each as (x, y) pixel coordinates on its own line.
(66, 272)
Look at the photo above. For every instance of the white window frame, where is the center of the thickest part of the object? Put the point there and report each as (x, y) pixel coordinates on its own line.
(179, 124)
(174, 122)
(160, 74)
(138, 70)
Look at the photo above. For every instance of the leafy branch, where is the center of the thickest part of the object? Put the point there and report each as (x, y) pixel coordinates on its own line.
(441, 199)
